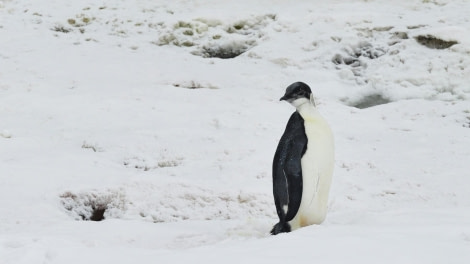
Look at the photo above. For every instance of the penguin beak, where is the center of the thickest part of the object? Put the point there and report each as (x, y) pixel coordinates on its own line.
(283, 98)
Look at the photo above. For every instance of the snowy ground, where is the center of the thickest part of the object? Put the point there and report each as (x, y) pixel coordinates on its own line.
(125, 108)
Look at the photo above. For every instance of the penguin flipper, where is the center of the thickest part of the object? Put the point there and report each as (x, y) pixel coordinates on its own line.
(287, 172)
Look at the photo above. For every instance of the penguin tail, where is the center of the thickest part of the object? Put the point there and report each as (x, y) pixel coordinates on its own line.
(281, 227)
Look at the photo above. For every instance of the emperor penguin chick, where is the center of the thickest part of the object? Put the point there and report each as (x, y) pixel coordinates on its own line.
(303, 164)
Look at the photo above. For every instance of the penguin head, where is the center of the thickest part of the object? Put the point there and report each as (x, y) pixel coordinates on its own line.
(298, 93)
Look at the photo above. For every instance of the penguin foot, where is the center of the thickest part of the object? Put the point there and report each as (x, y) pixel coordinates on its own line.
(280, 228)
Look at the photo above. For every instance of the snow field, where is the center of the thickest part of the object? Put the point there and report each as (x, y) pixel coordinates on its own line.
(162, 118)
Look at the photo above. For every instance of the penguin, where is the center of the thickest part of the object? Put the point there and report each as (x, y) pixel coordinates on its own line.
(303, 164)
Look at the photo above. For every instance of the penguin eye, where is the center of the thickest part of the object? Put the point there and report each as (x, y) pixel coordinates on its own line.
(302, 93)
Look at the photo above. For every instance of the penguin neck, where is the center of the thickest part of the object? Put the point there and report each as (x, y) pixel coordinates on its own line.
(304, 105)
(306, 108)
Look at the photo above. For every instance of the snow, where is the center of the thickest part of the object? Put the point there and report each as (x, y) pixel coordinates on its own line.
(125, 107)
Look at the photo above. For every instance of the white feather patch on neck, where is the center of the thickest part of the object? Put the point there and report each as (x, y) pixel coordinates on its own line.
(298, 102)
(312, 100)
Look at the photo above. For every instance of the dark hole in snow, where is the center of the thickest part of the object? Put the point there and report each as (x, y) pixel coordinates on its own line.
(98, 214)
(433, 42)
(371, 101)
(91, 206)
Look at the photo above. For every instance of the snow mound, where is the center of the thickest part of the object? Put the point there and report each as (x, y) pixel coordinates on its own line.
(381, 63)
(180, 201)
(94, 205)
(150, 164)
(165, 203)
(214, 38)
(355, 58)
(5, 134)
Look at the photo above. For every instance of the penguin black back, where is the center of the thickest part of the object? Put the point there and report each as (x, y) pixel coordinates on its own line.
(287, 172)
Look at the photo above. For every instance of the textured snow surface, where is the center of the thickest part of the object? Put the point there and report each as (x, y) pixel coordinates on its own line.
(161, 118)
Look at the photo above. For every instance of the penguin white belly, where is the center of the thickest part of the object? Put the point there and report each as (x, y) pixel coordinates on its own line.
(317, 170)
